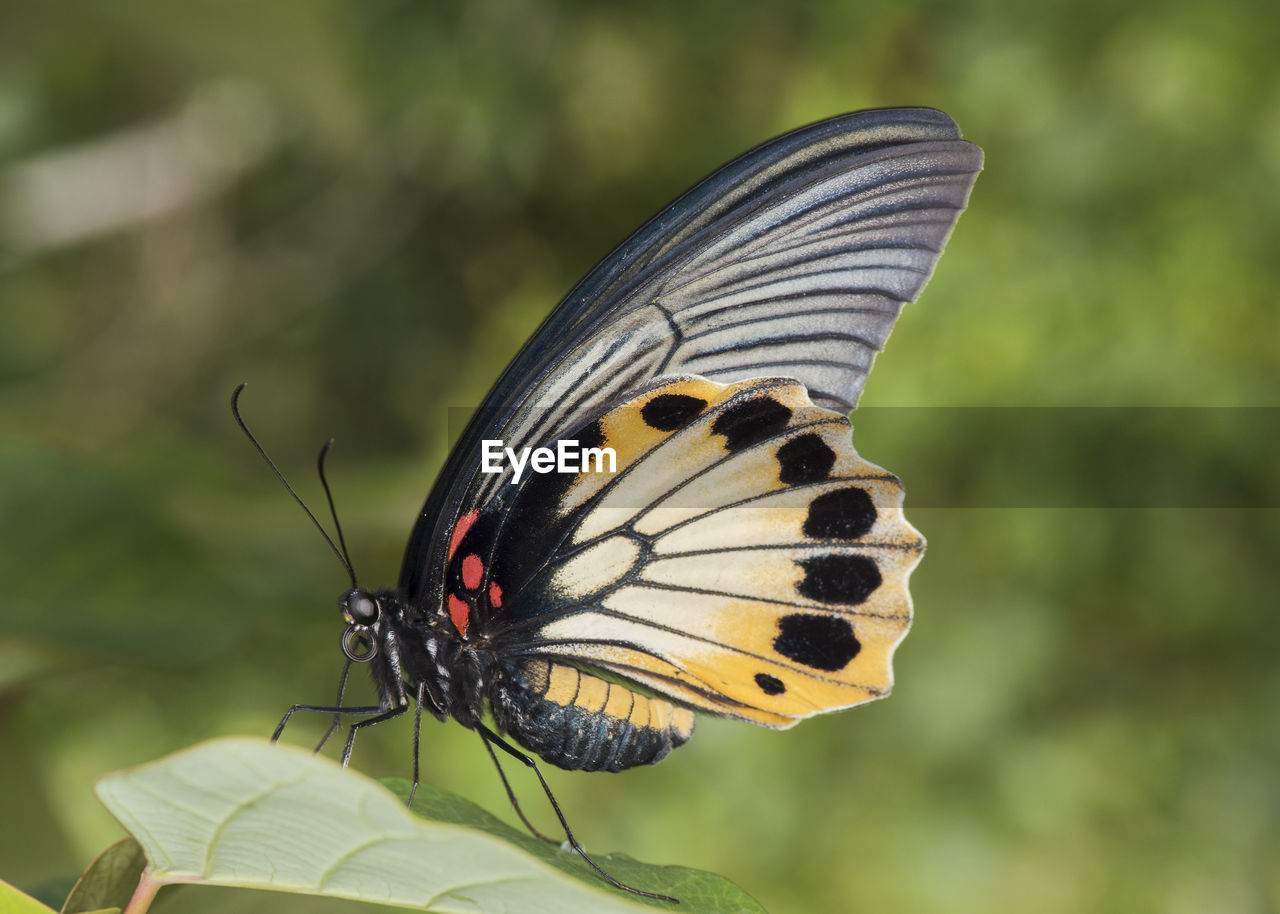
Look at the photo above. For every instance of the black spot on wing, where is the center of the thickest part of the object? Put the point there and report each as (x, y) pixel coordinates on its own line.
(844, 514)
(839, 578)
(770, 685)
(668, 412)
(821, 642)
(805, 458)
(590, 435)
(751, 422)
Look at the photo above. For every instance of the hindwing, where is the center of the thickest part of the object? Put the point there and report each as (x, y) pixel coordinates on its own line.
(741, 559)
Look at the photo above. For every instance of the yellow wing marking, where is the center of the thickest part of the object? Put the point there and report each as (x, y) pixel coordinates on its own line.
(631, 437)
(753, 472)
(743, 561)
(653, 463)
(722, 645)
(710, 685)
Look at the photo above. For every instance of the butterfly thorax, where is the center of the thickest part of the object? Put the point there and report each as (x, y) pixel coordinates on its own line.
(419, 652)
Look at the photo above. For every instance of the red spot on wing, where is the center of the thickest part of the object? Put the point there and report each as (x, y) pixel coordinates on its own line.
(460, 530)
(460, 613)
(495, 594)
(472, 571)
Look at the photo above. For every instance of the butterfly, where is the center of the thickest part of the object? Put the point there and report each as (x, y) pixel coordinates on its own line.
(735, 556)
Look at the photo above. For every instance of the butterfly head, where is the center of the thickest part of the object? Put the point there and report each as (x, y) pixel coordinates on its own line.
(363, 612)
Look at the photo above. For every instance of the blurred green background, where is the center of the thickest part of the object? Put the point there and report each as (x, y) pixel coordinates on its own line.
(364, 208)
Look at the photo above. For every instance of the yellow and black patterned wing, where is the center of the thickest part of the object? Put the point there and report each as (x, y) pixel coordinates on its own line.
(791, 261)
(742, 559)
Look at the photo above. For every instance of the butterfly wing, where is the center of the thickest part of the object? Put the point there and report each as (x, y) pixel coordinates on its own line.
(793, 260)
(743, 559)
(736, 556)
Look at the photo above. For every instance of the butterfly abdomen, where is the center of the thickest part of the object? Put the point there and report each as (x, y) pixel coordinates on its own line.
(584, 723)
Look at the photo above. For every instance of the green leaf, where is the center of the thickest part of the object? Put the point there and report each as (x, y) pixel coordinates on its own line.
(697, 890)
(242, 812)
(110, 880)
(14, 902)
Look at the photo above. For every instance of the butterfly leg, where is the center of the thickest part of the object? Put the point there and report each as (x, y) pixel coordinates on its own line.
(417, 739)
(337, 718)
(493, 739)
(515, 804)
(369, 722)
(322, 709)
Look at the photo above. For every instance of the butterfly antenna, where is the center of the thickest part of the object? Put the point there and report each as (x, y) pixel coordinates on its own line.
(340, 553)
(333, 512)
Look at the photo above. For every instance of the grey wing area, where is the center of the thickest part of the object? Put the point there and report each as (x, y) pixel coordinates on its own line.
(792, 261)
(809, 283)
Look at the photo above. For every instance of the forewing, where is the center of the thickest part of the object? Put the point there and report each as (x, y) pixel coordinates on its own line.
(793, 260)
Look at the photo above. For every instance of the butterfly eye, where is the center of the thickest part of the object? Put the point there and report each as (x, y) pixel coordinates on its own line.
(359, 608)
